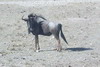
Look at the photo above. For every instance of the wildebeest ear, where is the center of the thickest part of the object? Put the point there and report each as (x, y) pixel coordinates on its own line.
(25, 19)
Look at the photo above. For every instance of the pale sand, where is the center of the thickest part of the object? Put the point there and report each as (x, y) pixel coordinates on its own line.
(81, 26)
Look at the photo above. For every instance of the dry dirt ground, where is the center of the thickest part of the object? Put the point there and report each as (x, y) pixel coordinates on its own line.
(81, 26)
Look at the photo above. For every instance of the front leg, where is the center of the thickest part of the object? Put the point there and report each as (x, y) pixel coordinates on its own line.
(37, 47)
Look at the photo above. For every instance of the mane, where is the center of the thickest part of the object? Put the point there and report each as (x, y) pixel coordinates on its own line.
(41, 17)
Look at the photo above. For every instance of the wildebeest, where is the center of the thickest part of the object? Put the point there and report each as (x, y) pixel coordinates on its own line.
(38, 25)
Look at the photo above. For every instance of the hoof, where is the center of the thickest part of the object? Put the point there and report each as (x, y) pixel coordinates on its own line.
(59, 50)
(37, 51)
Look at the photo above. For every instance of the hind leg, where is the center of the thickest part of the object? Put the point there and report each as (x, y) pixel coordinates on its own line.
(59, 47)
(54, 29)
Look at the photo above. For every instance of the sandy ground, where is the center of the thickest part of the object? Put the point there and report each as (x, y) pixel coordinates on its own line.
(81, 26)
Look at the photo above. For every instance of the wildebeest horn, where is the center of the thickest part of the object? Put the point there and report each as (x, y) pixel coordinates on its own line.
(25, 19)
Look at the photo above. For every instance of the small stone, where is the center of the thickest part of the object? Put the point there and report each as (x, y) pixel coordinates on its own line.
(23, 58)
(70, 66)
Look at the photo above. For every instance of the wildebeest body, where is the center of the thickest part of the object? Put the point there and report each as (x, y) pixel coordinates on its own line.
(38, 25)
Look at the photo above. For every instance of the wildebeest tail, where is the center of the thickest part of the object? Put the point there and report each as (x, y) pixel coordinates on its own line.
(62, 35)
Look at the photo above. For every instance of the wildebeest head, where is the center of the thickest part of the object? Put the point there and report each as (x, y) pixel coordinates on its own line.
(31, 22)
